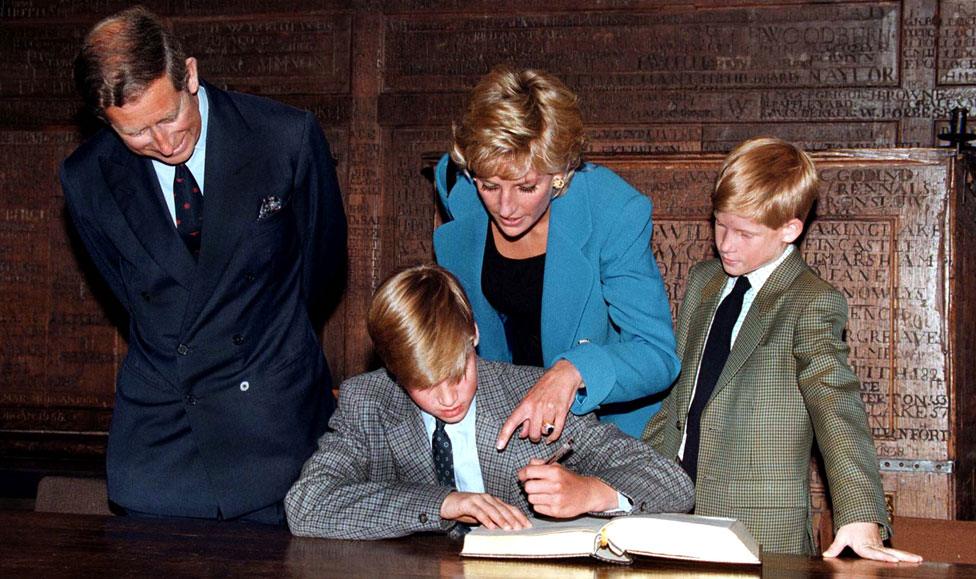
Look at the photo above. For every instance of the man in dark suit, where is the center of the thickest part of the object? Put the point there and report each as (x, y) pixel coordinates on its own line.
(215, 218)
(417, 453)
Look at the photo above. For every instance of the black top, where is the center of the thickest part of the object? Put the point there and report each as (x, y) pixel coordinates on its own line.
(514, 288)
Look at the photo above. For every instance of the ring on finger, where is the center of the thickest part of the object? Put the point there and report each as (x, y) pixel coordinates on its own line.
(547, 428)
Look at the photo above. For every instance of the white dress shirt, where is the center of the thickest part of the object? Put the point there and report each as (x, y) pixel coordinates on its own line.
(196, 163)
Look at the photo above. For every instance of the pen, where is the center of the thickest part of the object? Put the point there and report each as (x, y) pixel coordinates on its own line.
(561, 452)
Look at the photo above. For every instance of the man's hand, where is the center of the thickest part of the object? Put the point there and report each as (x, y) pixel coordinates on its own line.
(484, 509)
(556, 491)
(547, 402)
(865, 540)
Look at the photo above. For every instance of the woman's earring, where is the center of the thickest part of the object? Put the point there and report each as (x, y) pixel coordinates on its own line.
(558, 182)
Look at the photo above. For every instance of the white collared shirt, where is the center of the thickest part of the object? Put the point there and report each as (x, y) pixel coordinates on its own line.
(757, 279)
(196, 163)
(464, 447)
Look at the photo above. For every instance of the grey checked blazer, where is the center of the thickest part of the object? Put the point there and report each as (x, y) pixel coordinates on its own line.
(786, 380)
(373, 477)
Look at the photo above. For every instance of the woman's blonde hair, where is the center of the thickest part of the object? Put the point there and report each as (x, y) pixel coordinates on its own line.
(516, 121)
(422, 326)
(767, 180)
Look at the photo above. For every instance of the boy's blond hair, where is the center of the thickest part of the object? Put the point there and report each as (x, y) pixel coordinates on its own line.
(422, 326)
(518, 120)
(767, 180)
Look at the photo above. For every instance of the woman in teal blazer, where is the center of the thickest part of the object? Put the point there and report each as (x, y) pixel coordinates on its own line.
(523, 192)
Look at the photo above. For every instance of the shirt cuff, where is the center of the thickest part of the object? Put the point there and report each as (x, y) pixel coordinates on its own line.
(623, 504)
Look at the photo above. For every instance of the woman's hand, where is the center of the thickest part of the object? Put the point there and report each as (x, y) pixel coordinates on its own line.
(546, 404)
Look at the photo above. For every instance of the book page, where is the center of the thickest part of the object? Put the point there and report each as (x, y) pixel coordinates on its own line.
(680, 536)
(546, 538)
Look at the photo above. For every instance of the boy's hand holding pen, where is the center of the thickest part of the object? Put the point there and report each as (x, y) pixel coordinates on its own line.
(556, 491)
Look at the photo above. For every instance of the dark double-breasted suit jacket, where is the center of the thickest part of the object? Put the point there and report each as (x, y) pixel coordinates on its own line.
(224, 390)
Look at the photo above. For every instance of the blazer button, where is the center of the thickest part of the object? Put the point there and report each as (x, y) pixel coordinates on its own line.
(249, 277)
(422, 517)
(642, 507)
(190, 400)
(677, 424)
(238, 339)
(183, 350)
(245, 385)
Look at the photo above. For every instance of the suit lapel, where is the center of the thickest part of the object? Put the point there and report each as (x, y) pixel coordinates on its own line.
(496, 468)
(231, 171)
(134, 185)
(759, 318)
(569, 274)
(408, 439)
(698, 329)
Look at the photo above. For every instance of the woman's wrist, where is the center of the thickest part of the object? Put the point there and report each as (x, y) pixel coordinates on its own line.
(567, 368)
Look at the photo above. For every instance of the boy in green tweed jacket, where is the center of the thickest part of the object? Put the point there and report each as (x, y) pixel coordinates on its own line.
(764, 371)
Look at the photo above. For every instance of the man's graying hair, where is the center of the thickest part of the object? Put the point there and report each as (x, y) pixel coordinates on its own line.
(122, 55)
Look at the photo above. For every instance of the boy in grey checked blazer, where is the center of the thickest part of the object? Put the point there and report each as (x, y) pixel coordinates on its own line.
(373, 475)
(786, 380)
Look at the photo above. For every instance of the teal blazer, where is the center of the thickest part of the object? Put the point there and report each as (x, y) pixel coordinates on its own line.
(604, 307)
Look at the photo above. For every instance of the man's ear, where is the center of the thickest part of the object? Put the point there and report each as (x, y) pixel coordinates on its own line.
(192, 80)
(791, 230)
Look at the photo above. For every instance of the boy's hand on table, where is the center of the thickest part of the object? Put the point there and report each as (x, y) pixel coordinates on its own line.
(865, 540)
(483, 509)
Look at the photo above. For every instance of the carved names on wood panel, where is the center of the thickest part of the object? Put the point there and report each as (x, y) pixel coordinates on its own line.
(807, 45)
(413, 197)
(38, 59)
(880, 239)
(59, 350)
(957, 42)
(96, 9)
(643, 139)
(900, 348)
(304, 54)
(273, 55)
(810, 136)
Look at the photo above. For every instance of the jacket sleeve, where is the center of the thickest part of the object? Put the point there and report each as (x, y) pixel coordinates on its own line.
(632, 467)
(831, 393)
(99, 248)
(643, 361)
(338, 497)
(657, 431)
(321, 217)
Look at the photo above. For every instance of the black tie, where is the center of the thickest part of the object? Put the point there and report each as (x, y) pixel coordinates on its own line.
(189, 209)
(443, 456)
(712, 363)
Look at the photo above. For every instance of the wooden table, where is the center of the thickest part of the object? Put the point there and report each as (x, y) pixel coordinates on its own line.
(55, 545)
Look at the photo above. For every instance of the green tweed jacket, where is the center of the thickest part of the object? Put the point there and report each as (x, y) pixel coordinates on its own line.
(786, 382)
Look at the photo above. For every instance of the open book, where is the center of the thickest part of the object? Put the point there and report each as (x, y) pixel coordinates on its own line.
(673, 536)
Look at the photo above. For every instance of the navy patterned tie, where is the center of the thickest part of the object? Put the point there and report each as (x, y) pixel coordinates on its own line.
(189, 209)
(712, 363)
(440, 444)
(443, 456)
